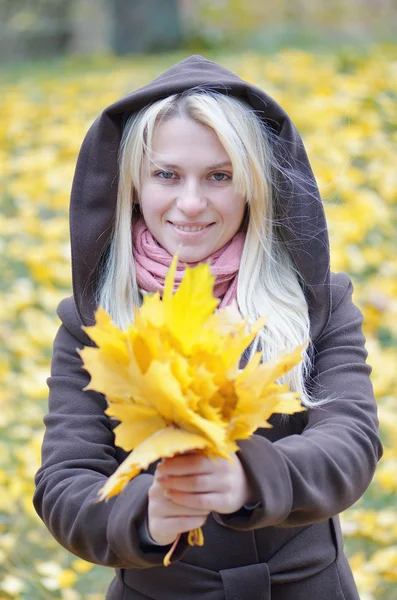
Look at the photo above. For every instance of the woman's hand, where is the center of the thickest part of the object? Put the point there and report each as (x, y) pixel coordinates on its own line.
(198, 483)
(166, 519)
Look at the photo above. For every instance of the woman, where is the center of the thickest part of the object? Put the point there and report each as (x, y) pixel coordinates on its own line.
(203, 163)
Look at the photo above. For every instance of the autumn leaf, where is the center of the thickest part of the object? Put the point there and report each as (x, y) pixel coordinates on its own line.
(164, 443)
(173, 382)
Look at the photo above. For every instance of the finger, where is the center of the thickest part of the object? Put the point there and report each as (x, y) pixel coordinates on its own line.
(182, 524)
(206, 502)
(165, 530)
(182, 512)
(162, 505)
(191, 483)
(169, 508)
(185, 465)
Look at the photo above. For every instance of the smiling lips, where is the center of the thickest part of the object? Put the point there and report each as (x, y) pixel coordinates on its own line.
(190, 228)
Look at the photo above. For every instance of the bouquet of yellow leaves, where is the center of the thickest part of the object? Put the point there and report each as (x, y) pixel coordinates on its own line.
(172, 378)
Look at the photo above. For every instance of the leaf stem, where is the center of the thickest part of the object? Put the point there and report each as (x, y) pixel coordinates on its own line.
(167, 557)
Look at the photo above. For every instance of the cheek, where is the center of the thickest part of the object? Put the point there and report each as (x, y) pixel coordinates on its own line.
(233, 210)
(153, 201)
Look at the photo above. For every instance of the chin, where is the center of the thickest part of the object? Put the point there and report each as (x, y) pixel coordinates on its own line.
(192, 256)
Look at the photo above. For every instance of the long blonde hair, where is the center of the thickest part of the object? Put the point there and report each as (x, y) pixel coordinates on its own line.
(268, 283)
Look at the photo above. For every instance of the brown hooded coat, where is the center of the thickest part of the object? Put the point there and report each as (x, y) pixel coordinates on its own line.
(304, 471)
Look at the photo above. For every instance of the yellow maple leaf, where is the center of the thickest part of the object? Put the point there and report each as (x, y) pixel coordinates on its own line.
(195, 290)
(173, 381)
(137, 423)
(152, 311)
(107, 336)
(165, 443)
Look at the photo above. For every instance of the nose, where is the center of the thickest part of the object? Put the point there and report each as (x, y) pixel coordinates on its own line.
(191, 199)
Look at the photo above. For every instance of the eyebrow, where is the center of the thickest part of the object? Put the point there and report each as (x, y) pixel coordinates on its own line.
(220, 165)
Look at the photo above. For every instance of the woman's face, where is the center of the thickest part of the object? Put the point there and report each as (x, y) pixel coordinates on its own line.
(188, 199)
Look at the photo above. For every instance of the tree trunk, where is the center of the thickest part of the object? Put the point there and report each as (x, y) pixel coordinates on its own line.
(90, 26)
(145, 26)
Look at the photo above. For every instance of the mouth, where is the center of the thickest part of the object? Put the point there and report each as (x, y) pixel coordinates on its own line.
(191, 228)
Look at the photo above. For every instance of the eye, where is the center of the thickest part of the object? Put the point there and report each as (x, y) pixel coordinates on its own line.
(164, 174)
(221, 176)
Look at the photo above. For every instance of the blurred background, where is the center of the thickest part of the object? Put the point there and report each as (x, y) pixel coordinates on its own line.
(31, 30)
(44, 28)
(333, 67)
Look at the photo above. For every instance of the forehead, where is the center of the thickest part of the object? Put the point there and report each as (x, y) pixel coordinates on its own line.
(181, 138)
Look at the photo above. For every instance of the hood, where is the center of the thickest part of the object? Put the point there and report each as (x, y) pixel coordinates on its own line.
(300, 214)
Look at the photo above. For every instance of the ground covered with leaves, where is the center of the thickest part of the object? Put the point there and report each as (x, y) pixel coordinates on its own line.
(345, 107)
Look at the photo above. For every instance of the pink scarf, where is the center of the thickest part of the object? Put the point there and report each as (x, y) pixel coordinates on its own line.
(152, 263)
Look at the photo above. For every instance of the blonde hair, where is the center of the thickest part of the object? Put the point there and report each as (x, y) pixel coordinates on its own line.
(268, 283)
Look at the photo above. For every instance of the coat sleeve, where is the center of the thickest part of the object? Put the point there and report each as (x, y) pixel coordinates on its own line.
(306, 478)
(78, 455)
